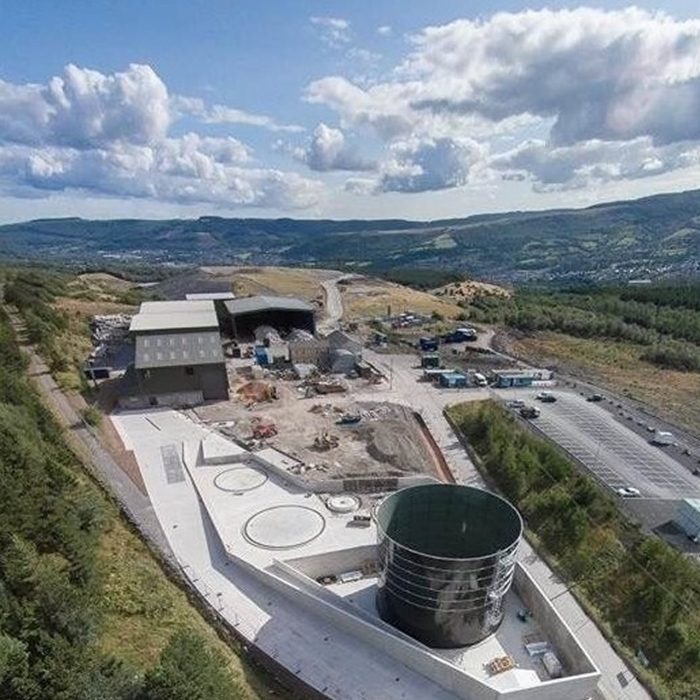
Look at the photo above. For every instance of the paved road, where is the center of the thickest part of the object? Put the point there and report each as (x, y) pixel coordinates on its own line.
(616, 455)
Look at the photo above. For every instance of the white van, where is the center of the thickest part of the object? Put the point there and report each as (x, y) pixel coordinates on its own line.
(480, 379)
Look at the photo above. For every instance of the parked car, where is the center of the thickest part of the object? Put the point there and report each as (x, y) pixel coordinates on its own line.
(530, 412)
(546, 397)
(595, 398)
(628, 492)
(662, 438)
(516, 403)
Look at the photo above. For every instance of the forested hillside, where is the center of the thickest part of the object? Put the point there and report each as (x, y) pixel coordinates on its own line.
(664, 319)
(62, 586)
(655, 236)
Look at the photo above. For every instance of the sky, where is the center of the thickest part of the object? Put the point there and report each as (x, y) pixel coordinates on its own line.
(356, 109)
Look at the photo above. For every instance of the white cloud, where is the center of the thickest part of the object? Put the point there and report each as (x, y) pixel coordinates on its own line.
(328, 150)
(109, 134)
(608, 75)
(334, 31)
(222, 114)
(84, 108)
(617, 94)
(384, 30)
(423, 165)
(592, 162)
(170, 172)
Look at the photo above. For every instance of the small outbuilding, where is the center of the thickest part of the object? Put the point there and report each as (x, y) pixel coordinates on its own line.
(688, 517)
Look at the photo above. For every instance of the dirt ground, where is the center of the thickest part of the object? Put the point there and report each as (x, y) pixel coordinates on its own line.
(468, 289)
(299, 282)
(388, 441)
(366, 297)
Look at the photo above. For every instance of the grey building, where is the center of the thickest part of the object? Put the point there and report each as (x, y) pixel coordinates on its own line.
(178, 359)
(281, 313)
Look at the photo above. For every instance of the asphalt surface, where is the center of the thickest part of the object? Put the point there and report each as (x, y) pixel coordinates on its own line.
(616, 455)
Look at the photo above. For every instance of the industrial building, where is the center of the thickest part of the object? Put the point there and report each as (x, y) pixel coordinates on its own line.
(505, 378)
(178, 360)
(281, 313)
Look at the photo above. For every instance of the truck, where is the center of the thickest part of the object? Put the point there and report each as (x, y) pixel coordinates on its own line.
(430, 361)
(461, 335)
(428, 344)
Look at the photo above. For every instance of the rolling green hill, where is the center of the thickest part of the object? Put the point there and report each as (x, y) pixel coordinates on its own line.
(654, 236)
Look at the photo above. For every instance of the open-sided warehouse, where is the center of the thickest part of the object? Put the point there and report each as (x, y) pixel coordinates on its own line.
(178, 357)
(282, 313)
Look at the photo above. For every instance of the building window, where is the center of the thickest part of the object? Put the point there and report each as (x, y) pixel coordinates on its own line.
(189, 371)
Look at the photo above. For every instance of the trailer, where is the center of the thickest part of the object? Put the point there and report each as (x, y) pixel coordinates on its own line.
(453, 380)
(506, 378)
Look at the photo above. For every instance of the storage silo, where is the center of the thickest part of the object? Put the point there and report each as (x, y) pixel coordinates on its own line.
(447, 557)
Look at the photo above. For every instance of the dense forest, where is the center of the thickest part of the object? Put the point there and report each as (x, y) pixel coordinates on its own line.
(644, 591)
(51, 520)
(665, 319)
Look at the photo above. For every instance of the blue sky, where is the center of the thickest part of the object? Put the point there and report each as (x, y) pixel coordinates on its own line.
(399, 108)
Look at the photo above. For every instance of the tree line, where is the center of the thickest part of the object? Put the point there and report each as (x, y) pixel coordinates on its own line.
(670, 332)
(646, 592)
(51, 520)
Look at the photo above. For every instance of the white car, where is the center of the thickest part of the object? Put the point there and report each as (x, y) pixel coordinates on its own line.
(628, 492)
(662, 438)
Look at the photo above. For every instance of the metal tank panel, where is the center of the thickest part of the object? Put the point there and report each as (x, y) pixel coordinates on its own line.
(447, 557)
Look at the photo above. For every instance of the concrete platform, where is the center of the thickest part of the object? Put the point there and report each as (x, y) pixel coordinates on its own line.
(254, 549)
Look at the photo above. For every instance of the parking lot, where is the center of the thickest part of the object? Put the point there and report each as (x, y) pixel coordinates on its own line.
(616, 455)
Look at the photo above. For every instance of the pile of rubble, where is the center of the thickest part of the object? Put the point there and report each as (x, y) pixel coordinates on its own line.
(107, 333)
(257, 391)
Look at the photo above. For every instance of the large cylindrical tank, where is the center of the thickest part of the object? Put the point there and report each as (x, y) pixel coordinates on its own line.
(447, 556)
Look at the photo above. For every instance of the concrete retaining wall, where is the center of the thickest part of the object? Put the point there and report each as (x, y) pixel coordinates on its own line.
(408, 652)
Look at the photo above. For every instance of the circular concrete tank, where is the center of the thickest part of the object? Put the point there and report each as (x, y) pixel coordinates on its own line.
(284, 527)
(447, 556)
(343, 503)
(240, 479)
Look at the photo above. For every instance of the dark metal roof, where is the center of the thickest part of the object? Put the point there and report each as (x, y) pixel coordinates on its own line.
(178, 349)
(248, 305)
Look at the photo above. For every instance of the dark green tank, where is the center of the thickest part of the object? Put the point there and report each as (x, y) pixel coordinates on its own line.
(447, 556)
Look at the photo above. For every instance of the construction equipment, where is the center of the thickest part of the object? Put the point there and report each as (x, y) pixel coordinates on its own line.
(325, 441)
(349, 419)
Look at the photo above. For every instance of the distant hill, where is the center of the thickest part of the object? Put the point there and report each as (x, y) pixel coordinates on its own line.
(655, 236)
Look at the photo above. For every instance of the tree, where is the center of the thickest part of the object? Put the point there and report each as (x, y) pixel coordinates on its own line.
(187, 671)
